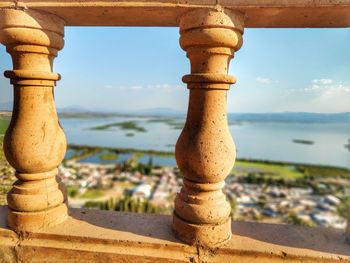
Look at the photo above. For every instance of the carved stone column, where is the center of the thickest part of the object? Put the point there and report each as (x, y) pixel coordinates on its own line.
(205, 151)
(34, 143)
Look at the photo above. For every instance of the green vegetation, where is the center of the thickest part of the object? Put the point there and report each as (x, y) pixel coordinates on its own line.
(3, 191)
(4, 123)
(303, 182)
(297, 169)
(257, 171)
(233, 204)
(92, 194)
(83, 152)
(72, 191)
(6, 176)
(322, 179)
(323, 171)
(177, 124)
(95, 149)
(127, 204)
(344, 206)
(287, 172)
(293, 219)
(126, 125)
(108, 156)
(132, 165)
(160, 120)
(256, 178)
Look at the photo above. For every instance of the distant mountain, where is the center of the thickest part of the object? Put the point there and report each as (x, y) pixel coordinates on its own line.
(143, 112)
(73, 109)
(302, 117)
(6, 106)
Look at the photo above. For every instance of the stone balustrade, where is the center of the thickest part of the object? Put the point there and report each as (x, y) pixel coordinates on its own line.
(210, 34)
(34, 143)
(205, 152)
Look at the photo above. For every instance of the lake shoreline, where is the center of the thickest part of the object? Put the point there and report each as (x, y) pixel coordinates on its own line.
(95, 149)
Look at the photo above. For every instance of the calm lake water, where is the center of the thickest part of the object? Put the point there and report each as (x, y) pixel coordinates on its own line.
(254, 140)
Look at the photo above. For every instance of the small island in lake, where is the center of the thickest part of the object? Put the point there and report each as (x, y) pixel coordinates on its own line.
(126, 125)
(347, 145)
(307, 142)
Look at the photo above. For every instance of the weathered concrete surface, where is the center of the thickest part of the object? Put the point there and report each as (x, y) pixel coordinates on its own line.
(259, 13)
(101, 236)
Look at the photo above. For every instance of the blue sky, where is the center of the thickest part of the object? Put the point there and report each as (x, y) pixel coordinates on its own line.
(136, 68)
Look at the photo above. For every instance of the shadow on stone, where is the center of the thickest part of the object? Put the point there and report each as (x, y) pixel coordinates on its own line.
(146, 225)
(327, 240)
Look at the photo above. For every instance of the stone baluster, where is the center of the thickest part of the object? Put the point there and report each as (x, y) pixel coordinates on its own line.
(205, 151)
(34, 143)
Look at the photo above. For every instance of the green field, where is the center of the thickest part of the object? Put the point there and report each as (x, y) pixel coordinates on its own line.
(287, 172)
(4, 122)
(6, 175)
(92, 194)
(109, 156)
(89, 150)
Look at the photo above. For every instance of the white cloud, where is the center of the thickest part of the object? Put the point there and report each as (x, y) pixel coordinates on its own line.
(263, 80)
(135, 87)
(165, 87)
(108, 86)
(335, 89)
(322, 95)
(322, 81)
(326, 86)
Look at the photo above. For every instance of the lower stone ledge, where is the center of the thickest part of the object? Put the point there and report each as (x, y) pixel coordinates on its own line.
(102, 236)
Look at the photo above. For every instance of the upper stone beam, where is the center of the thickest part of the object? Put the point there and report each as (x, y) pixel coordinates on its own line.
(259, 13)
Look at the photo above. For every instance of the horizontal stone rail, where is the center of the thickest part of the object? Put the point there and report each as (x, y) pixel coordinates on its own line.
(259, 13)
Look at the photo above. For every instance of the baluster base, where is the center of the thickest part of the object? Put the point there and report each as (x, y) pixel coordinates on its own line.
(34, 221)
(205, 235)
